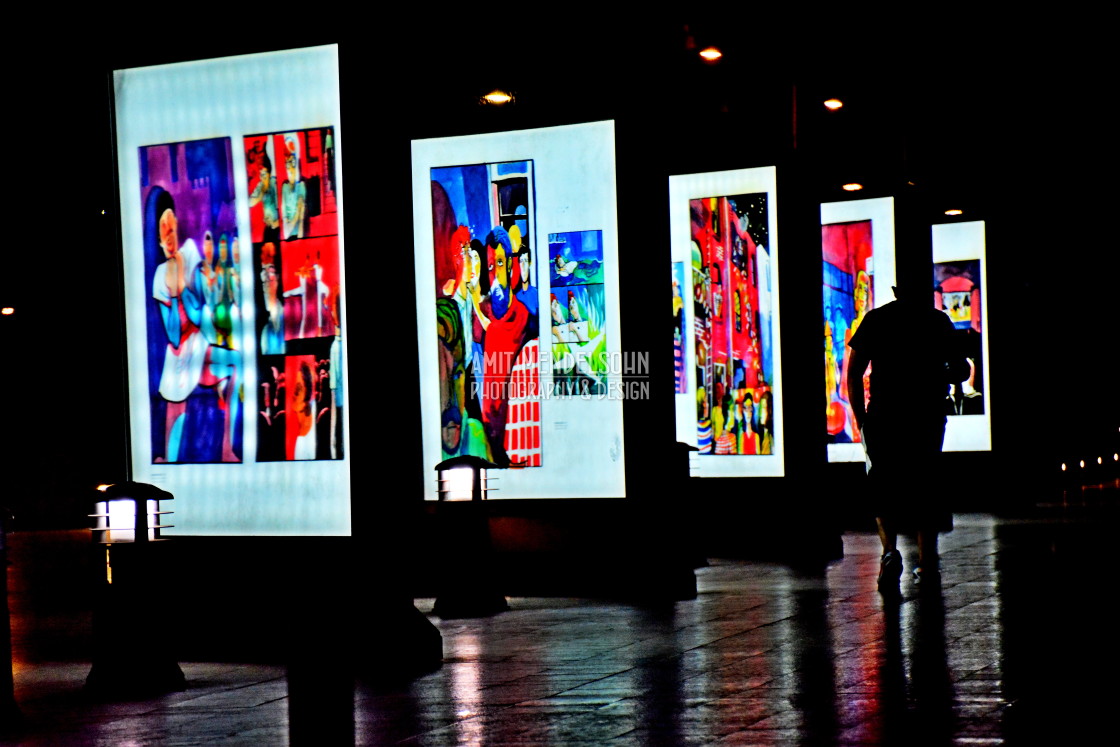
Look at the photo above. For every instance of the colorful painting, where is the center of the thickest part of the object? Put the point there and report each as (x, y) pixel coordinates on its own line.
(732, 325)
(575, 258)
(487, 312)
(293, 220)
(957, 293)
(577, 310)
(680, 380)
(191, 256)
(848, 281)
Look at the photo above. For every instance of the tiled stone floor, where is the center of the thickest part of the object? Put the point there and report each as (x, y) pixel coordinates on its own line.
(1018, 646)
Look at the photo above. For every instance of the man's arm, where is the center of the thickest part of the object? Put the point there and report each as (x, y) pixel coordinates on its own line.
(857, 365)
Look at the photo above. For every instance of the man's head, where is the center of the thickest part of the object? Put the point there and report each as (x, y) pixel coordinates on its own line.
(913, 282)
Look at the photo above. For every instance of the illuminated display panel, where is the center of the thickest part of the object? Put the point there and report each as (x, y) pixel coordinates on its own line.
(960, 290)
(234, 288)
(517, 305)
(857, 272)
(723, 229)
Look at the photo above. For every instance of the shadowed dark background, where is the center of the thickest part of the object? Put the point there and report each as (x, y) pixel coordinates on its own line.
(1005, 121)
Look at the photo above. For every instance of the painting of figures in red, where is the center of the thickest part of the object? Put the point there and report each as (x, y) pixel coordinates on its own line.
(732, 323)
(848, 271)
(293, 218)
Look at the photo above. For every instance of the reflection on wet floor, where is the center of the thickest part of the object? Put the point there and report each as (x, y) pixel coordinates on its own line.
(1007, 650)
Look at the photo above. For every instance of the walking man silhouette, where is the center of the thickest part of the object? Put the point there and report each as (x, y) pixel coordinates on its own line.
(909, 345)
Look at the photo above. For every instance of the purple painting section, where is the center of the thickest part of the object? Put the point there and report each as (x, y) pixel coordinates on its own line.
(192, 196)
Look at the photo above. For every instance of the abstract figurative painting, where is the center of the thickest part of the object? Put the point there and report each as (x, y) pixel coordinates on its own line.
(848, 294)
(577, 313)
(680, 379)
(194, 334)
(733, 327)
(487, 310)
(957, 292)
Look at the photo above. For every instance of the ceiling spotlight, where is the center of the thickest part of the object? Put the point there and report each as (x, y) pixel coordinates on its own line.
(833, 104)
(710, 54)
(852, 187)
(497, 97)
(954, 211)
(7, 311)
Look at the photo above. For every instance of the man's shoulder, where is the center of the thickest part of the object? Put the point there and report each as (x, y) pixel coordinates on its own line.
(898, 312)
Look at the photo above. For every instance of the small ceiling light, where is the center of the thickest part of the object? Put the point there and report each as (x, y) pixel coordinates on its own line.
(954, 211)
(1063, 467)
(833, 104)
(497, 97)
(7, 311)
(853, 187)
(1100, 460)
(710, 54)
(1082, 463)
(1116, 457)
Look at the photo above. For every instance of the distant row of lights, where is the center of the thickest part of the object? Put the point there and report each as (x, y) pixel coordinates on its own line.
(713, 54)
(498, 97)
(835, 105)
(1081, 463)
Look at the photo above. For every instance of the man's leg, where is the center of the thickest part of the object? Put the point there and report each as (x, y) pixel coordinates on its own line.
(887, 536)
(890, 565)
(929, 561)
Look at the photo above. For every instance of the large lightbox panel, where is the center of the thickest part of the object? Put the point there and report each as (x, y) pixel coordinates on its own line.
(723, 228)
(529, 375)
(234, 335)
(960, 278)
(858, 270)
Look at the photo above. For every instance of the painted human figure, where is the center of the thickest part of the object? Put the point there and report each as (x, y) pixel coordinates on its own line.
(264, 194)
(508, 326)
(559, 321)
(765, 424)
(746, 435)
(204, 283)
(272, 334)
(576, 325)
(336, 378)
(190, 360)
(861, 299)
(293, 195)
(223, 298)
(302, 413)
(313, 294)
(465, 290)
(526, 292)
